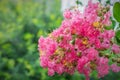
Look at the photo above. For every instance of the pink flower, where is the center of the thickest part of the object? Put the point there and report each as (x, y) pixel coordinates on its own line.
(67, 14)
(106, 20)
(97, 43)
(59, 68)
(105, 44)
(47, 45)
(81, 63)
(66, 23)
(102, 67)
(108, 34)
(86, 71)
(115, 48)
(115, 68)
(51, 64)
(83, 66)
(43, 61)
(51, 72)
(77, 43)
(90, 11)
(92, 54)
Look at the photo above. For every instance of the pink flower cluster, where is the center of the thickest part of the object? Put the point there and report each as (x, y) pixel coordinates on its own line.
(80, 43)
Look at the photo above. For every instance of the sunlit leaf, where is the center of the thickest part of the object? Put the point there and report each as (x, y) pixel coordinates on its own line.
(116, 11)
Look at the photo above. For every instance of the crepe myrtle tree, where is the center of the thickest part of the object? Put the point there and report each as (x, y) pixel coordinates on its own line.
(85, 41)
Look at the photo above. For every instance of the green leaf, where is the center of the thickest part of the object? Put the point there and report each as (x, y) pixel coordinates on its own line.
(116, 11)
(118, 34)
(79, 2)
(28, 36)
(117, 37)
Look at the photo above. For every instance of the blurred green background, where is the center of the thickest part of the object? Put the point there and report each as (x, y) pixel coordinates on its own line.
(22, 22)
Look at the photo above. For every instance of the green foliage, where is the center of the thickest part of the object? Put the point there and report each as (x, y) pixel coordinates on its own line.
(79, 2)
(116, 14)
(117, 37)
(118, 34)
(116, 11)
(22, 22)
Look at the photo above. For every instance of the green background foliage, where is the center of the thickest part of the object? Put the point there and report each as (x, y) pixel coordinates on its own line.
(22, 22)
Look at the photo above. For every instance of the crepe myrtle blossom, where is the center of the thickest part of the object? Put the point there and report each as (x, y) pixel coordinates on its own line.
(115, 68)
(80, 43)
(116, 48)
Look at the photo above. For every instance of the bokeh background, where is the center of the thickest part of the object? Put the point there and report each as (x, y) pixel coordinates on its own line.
(22, 22)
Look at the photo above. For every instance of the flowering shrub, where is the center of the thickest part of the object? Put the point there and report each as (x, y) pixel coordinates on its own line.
(81, 43)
